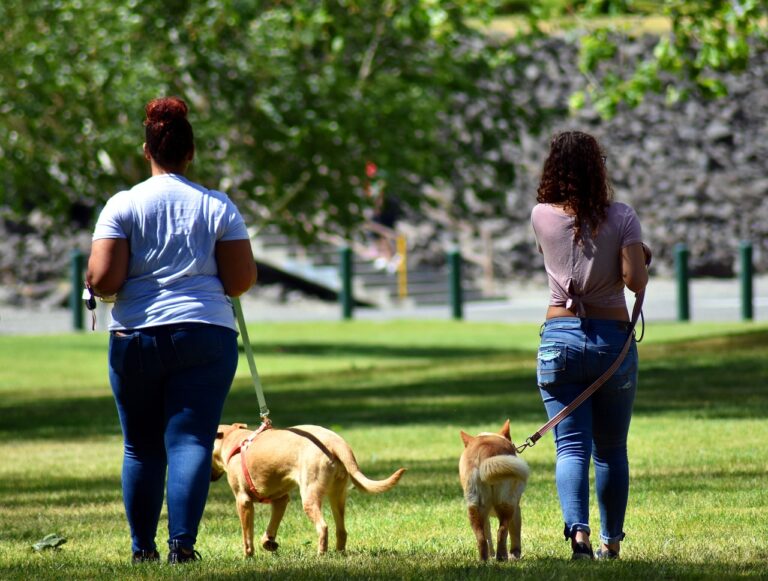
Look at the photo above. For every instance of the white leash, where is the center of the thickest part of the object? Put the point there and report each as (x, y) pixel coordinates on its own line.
(263, 409)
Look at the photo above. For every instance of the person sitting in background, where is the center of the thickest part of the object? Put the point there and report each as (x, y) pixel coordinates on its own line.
(386, 212)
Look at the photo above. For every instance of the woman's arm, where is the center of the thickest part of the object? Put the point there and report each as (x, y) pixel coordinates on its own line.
(633, 266)
(108, 265)
(237, 267)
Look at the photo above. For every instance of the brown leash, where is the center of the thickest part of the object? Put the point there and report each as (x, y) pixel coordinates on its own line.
(566, 411)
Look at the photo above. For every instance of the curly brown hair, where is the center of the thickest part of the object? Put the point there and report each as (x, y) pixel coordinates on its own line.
(574, 175)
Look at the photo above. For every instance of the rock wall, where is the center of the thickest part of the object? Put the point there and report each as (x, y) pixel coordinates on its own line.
(35, 260)
(696, 172)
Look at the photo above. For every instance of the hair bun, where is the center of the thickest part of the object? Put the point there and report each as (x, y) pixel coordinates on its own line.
(165, 109)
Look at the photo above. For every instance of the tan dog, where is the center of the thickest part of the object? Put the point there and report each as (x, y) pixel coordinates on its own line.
(493, 478)
(313, 458)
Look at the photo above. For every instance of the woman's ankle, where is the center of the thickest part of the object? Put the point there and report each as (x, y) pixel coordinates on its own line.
(581, 537)
(581, 547)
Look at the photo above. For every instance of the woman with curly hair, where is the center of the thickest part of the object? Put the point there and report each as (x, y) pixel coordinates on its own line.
(592, 249)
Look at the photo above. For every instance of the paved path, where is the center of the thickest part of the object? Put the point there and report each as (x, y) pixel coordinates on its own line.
(710, 300)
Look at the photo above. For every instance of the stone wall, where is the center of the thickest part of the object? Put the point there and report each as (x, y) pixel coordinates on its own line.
(35, 260)
(696, 172)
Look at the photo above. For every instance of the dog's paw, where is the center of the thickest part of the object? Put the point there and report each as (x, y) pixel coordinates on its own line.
(269, 544)
(504, 556)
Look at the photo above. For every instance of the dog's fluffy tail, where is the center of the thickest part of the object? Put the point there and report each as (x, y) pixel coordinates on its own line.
(360, 480)
(497, 468)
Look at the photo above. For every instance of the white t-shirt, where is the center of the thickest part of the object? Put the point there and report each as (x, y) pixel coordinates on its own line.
(172, 226)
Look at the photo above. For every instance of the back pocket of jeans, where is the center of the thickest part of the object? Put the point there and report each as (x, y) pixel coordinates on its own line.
(125, 354)
(550, 363)
(198, 345)
(625, 374)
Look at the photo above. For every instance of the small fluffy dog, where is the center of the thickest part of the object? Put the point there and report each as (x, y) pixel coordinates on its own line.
(265, 466)
(493, 478)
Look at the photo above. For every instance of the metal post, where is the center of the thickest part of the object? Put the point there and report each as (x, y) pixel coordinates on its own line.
(681, 273)
(345, 273)
(402, 268)
(745, 254)
(77, 267)
(457, 300)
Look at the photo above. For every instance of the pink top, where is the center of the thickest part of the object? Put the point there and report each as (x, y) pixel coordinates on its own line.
(585, 275)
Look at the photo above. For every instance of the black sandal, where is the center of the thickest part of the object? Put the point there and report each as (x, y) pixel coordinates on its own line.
(581, 550)
(179, 554)
(145, 557)
(607, 555)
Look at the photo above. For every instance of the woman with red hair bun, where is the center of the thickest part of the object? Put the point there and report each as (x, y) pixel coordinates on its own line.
(172, 252)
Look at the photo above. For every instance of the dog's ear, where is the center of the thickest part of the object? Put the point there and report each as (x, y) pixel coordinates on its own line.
(505, 430)
(466, 438)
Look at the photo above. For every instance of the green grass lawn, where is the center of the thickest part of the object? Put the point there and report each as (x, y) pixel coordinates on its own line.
(399, 392)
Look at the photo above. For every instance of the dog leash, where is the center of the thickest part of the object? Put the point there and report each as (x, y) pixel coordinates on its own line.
(637, 313)
(263, 409)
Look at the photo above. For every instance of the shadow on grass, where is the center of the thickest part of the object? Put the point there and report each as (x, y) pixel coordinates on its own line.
(18, 490)
(423, 402)
(401, 566)
(60, 418)
(719, 378)
(388, 565)
(378, 351)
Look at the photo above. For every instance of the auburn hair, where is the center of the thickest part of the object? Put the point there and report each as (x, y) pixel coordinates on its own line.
(574, 175)
(167, 131)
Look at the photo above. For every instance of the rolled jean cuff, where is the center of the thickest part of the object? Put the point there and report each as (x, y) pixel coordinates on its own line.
(176, 544)
(611, 540)
(570, 532)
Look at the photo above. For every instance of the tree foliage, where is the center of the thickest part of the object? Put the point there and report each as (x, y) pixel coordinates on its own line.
(705, 37)
(289, 100)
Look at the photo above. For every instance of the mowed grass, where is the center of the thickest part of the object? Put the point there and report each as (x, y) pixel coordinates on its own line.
(399, 392)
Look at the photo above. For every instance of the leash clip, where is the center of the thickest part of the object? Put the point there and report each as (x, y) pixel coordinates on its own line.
(265, 425)
(529, 443)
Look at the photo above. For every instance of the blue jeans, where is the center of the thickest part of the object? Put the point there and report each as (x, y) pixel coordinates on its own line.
(169, 383)
(572, 354)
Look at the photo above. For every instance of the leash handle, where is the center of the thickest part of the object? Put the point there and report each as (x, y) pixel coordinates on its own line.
(584, 395)
(263, 409)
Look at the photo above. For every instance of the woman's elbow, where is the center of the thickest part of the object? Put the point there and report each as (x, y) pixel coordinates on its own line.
(236, 290)
(636, 281)
(235, 286)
